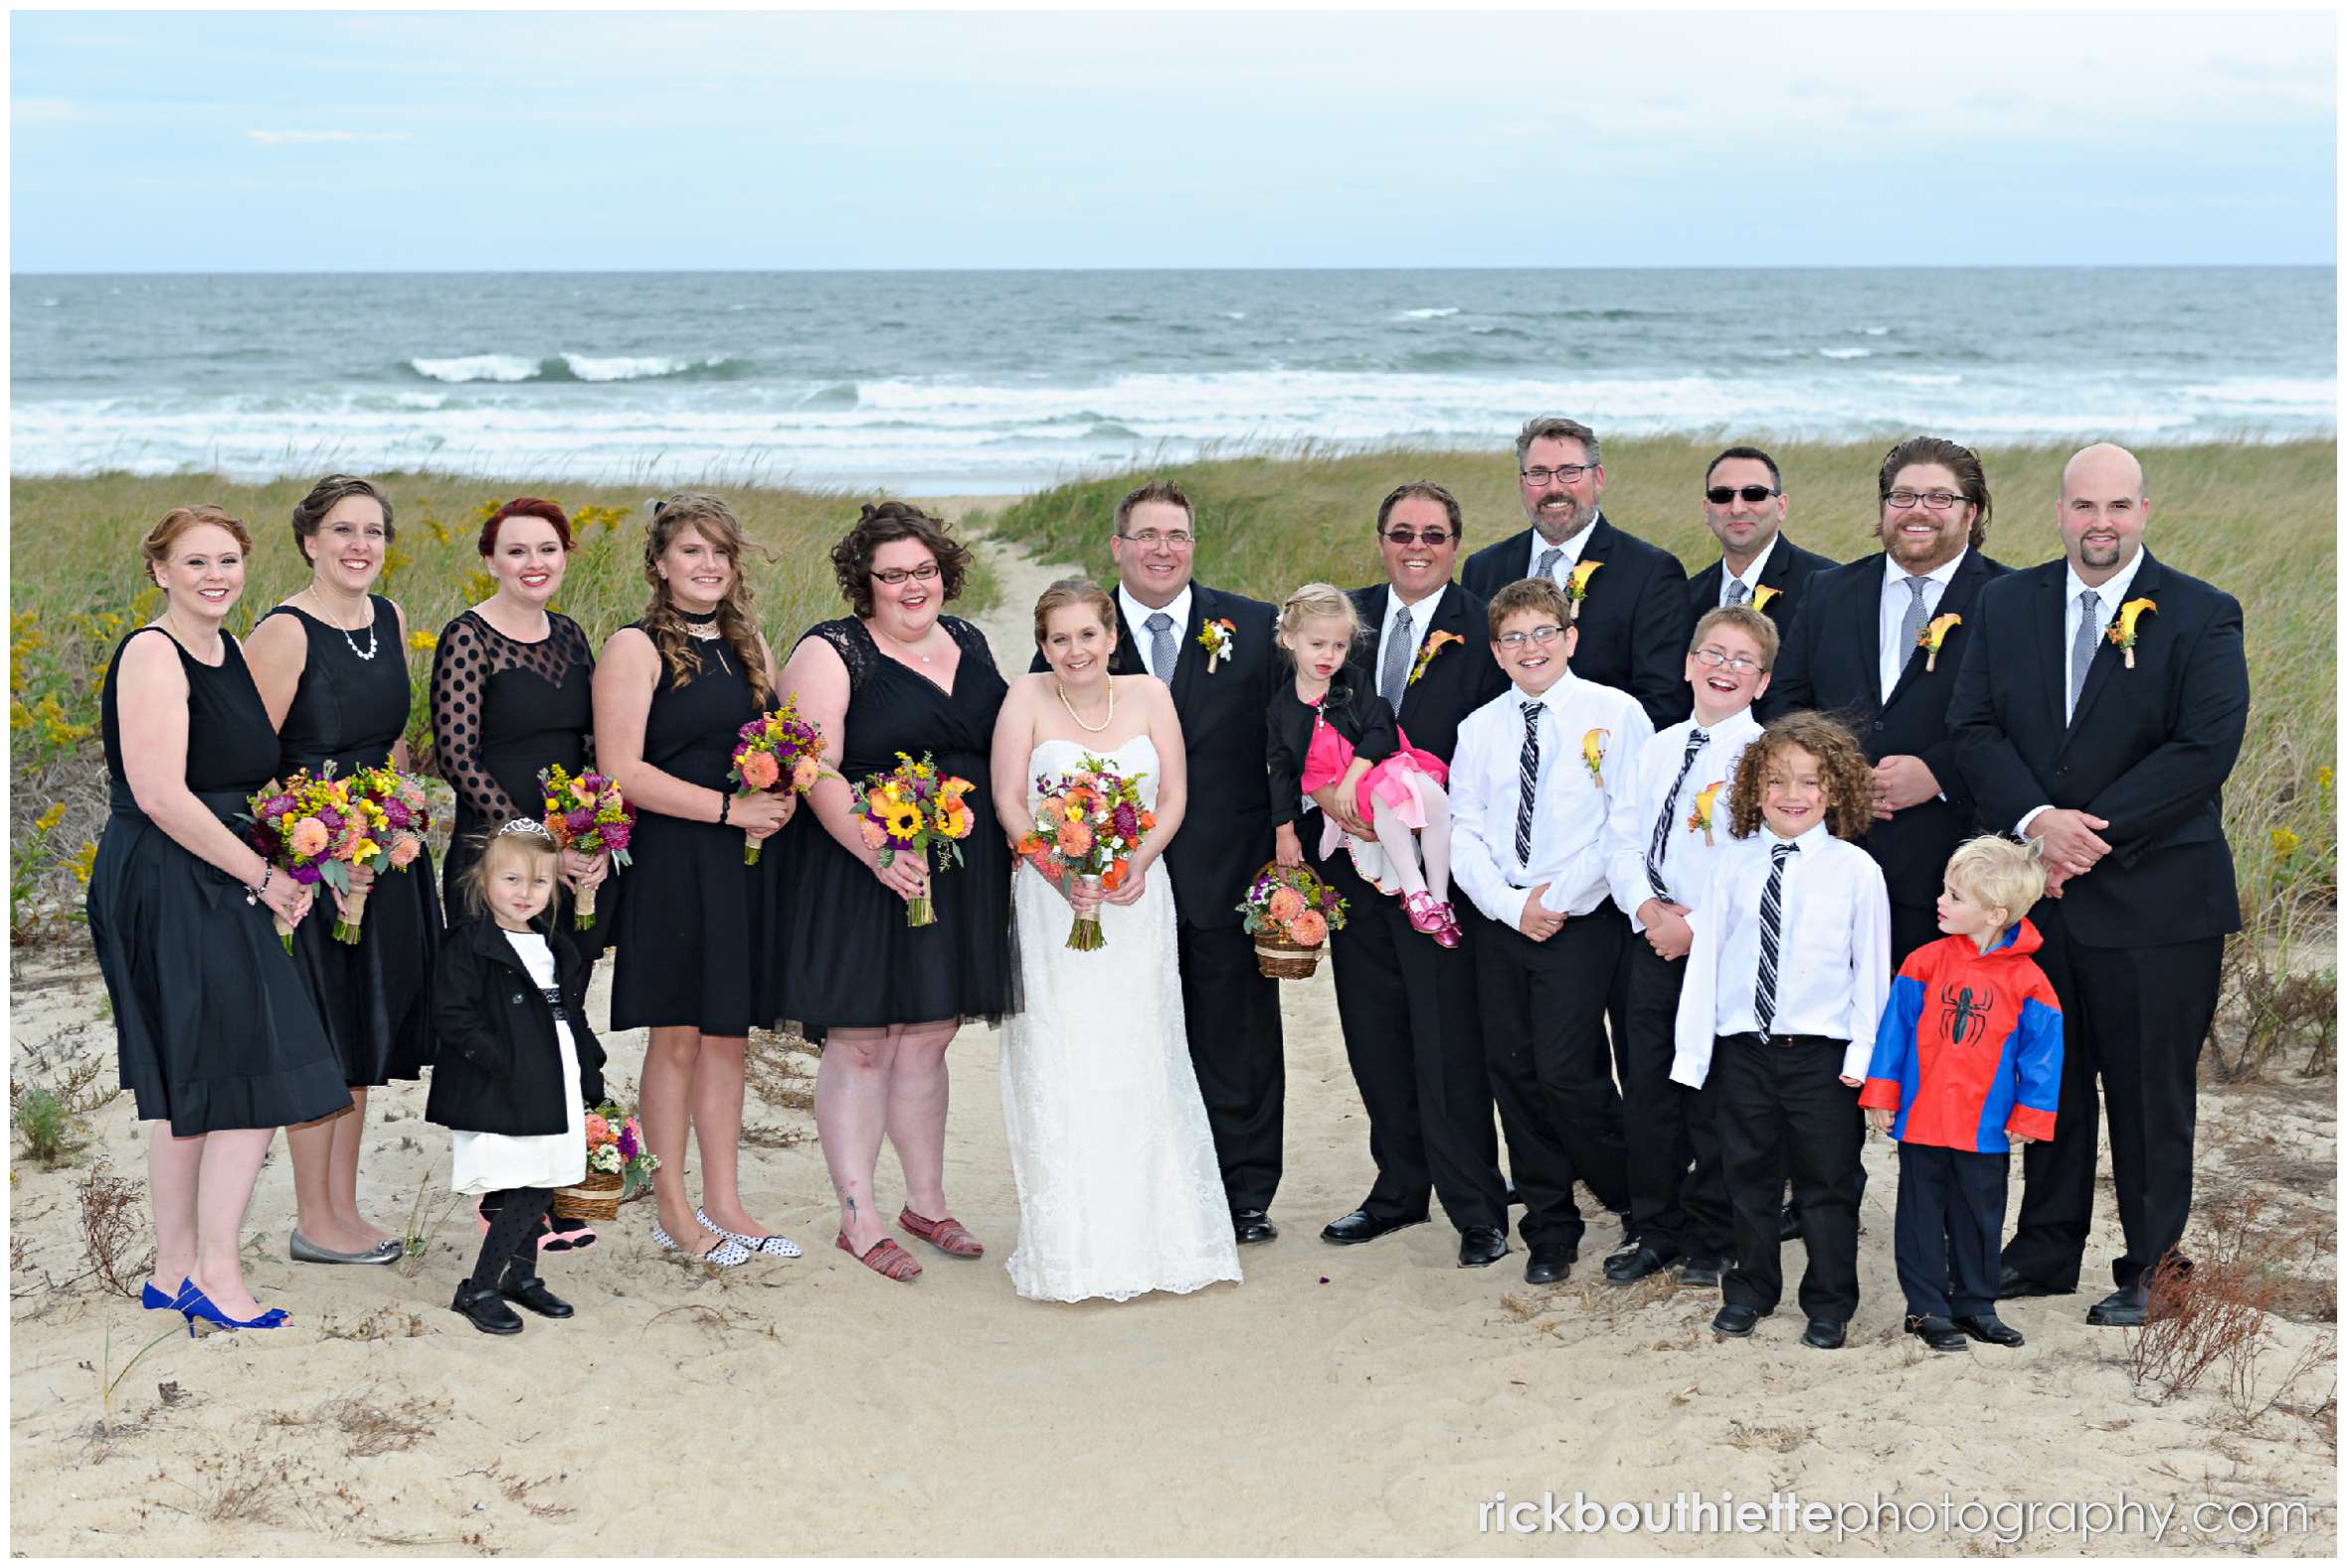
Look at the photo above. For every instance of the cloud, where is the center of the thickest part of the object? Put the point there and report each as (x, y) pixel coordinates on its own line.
(277, 138)
(44, 111)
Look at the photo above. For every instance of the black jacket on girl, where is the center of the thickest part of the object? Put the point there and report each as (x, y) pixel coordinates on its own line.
(1352, 710)
(501, 1064)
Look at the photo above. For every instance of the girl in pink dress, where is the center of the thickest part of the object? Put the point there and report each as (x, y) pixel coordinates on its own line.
(1329, 726)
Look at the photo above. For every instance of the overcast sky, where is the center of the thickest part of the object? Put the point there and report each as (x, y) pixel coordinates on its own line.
(195, 141)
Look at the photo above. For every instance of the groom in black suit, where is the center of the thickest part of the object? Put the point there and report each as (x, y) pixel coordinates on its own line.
(1215, 650)
(1409, 1009)
(2113, 758)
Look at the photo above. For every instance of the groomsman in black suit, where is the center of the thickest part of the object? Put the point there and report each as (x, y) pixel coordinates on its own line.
(1633, 621)
(2111, 752)
(1853, 651)
(1412, 1022)
(1744, 507)
(1215, 650)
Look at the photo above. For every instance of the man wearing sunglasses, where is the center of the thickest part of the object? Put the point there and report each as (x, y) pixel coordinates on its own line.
(1632, 622)
(1744, 507)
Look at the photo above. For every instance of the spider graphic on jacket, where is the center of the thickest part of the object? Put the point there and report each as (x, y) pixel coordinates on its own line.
(1966, 1013)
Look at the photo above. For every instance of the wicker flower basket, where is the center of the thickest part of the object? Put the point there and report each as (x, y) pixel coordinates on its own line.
(1277, 954)
(596, 1198)
(1282, 960)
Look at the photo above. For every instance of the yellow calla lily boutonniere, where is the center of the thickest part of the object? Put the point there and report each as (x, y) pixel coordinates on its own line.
(1762, 597)
(1434, 644)
(2122, 626)
(1576, 587)
(1593, 756)
(1701, 820)
(1934, 636)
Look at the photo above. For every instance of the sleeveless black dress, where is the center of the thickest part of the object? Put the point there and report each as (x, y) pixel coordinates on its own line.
(375, 996)
(501, 711)
(690, 921)
(215, 1028)
(848, 960)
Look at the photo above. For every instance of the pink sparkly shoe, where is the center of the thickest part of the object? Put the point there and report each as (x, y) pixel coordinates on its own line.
(1427, 917)
(1449, 934)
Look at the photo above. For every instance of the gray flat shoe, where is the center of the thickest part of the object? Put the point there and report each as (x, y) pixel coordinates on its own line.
(302, 1250)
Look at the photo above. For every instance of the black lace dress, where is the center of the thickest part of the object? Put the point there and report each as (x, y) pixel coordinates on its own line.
(501, 711)
(849, 959)
(215, 1028)
(690, 921)
(375, 996)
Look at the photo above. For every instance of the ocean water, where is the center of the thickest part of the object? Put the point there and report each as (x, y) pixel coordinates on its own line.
(937, 382)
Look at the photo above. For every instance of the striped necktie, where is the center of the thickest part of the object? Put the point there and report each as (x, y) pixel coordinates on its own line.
(1529, 767)
(1696, 741)
(1772, 913)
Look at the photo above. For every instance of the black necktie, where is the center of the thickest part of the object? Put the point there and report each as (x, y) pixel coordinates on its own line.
(1772, 911)
(1528, 765)
(1696, 741)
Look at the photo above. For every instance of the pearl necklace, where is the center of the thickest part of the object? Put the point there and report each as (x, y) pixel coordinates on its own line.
(1090, 729)
(373, 643)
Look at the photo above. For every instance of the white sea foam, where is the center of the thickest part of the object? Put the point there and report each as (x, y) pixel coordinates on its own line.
(1846, 353)
(1428, 315)
(476, 367)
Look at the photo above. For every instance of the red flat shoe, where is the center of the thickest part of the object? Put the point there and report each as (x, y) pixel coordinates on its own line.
(947, 1235)
(883, 1257)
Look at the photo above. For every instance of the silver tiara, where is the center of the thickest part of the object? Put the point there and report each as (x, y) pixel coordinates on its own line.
(524, 824)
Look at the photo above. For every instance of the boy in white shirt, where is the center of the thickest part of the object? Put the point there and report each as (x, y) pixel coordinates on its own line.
(1532, 778)
(1785, 982)
(1668, 822)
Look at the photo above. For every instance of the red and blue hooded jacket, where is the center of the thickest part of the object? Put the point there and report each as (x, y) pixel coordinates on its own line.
(1970, 1046)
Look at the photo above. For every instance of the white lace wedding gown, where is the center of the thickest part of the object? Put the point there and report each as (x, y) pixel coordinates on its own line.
(1119, 1192)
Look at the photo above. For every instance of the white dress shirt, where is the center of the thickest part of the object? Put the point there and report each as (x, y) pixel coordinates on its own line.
(1749, 575)
(1137, 616)
(1565, 562)
(1630, 823)
(2107, 600)
(1833, 950)
(1568, 807)
(1895, 598)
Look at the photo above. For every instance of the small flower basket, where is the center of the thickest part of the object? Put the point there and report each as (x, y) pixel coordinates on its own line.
(1290, 913)
(616, 1164)
(596, 1198)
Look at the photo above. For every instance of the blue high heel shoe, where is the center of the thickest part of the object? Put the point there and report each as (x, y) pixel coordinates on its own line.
(155, 1301)
(199, 1307)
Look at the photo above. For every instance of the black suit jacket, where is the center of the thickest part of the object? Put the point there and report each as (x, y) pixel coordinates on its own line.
(1790, 568)
(2148, 749)
(1458, 681)
(1225, 834)
(1831, 662)
(1634, 621)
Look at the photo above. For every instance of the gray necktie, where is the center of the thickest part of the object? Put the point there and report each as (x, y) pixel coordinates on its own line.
(1910, 624)
(2082, 646)
(1737, 591)
(1161, 645)
(1394, 676)
(1547, 566)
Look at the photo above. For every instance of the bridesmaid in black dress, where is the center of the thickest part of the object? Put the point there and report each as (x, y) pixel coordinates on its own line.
(219, 1040)
(690, 919)
(332, 666)
(511, 695)
(887, 998)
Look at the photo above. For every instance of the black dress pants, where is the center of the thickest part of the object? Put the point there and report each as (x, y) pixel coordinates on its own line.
(1678, 1196)
(1231, 1013)
(1952, 1215)
(1782, 1106)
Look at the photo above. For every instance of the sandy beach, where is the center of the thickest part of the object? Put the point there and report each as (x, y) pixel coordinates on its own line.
(1368, 1400)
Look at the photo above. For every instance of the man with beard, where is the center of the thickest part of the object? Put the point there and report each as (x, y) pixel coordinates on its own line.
(1744, 507)
(2098, 710)
(1630, 610)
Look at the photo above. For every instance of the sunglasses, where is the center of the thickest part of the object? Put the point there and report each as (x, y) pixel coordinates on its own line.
(1753, 494)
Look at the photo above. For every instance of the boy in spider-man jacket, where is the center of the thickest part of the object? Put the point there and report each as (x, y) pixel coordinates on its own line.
(1968, 1062)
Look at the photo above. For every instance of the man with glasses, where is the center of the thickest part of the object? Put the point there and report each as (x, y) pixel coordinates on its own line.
(1631, 617)
(1744, 507)
(1215, 650)
(1412, 1026)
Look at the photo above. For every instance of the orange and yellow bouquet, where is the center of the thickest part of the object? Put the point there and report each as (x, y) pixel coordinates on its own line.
(908, 808)
(314, 828)
(586, 812)
(1087, 826)
(398, 816)
(776, 751)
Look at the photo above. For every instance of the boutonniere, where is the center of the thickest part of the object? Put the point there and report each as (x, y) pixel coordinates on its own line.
(1593, 756)
(1934, 637)
(1762, 597)
(2122, 625)
(1215, 636)
(1434, 643)
(1576, 587)
(1701, 820)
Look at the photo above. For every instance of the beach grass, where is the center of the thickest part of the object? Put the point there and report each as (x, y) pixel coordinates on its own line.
(76, 588)
(2258, 520)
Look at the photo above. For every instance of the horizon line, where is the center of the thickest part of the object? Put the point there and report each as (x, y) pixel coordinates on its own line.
(735, 271)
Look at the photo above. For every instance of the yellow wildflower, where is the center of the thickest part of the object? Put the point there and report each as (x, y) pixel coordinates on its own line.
(2285, 842)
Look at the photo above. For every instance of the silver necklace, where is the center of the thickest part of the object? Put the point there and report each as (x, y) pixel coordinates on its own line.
(926, 658)
(1106, 719)
(373, 643)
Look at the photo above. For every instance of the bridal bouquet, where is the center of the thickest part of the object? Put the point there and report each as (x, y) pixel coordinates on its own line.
(908, 808)
(314, 828)
(1087, 826)
(778, 750)
(586, 812)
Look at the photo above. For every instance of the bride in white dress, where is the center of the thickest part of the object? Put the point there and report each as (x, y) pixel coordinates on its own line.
(1119, 1192)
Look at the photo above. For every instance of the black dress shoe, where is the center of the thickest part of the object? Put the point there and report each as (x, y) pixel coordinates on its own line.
(1481, 1245)
(1359, 1226)
(527, 1290)
(1550, 1260)
(1252, 1225)
(1788, 1225)
(1989, 1328)
(2011, 1283)
(1937, 1333)
(1641, 1261)
(1736, 1322)
(2124, 1307)
(1822, 1335)
(1703, 1270)
(488, 1314)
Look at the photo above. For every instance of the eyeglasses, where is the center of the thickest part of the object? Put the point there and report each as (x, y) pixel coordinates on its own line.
(1753, 494)
(1567, 475)
(1934, 500)
(1433, 538)
(1172, 539)
(894, 577)
(1713, 659)
(1539, 635)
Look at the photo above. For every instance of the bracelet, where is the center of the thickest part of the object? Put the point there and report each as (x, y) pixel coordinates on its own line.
(252, 893)
(724, 806)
